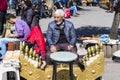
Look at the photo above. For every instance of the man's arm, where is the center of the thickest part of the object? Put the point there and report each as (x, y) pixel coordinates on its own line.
(49, 36)
(13, 35)
(19, 29)
(73, 35)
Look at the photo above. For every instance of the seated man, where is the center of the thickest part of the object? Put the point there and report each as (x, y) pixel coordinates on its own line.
(22, 32)
(72, 6)
(22, 28)
(60, 35)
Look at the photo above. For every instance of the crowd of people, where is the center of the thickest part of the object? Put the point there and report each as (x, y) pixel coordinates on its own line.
(41, 8)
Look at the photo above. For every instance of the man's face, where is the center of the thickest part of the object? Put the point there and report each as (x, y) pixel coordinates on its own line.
(11, 21)
(25, 6)
(58, 18)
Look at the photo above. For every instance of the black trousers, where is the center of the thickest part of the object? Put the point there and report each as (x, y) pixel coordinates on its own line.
(2, 20)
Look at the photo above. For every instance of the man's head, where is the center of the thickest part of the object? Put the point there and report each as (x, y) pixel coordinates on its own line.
(27, 4)
(59, 15)
(10, 18)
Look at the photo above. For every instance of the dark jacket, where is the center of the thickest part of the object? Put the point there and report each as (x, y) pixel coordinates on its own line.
(58, 5)
(117, 7)
(27, 16)
(53, 33)
(35, 21)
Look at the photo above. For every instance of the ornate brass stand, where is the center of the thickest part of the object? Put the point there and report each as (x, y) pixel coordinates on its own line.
(93, 62)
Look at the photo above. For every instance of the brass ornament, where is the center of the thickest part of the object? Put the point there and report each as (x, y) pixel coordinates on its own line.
(100, 46)
(26, 51)
(93, 51)
(89, 52)
(30, 73)
(93, 71)
(96, 49)
(49, 77)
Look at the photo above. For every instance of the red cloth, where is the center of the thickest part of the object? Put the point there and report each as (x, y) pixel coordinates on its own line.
(3, 5)
(67, 13)
(37, 36)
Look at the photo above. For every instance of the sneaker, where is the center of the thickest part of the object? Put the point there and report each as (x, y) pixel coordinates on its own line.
(77, 13)
(75, 16)
(109, 11)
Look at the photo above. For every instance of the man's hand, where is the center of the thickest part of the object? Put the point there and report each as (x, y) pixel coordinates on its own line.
(9, 35)
(70, 47)
(53, 48)
(12, 35)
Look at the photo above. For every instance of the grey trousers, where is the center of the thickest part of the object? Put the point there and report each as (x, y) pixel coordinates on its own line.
(60, 47)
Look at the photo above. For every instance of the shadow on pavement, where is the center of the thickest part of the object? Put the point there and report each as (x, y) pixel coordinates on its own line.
(91, 30)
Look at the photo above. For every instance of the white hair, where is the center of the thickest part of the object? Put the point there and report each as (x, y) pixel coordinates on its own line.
(60, 12)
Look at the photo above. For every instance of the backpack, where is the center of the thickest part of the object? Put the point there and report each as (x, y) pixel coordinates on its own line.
(67, 13)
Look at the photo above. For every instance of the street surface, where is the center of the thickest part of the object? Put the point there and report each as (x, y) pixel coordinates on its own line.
(93, 16)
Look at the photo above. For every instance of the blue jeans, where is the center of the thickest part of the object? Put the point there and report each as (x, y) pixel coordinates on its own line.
(35, 1)
(74, 9)
(42, 10)
(3, 42)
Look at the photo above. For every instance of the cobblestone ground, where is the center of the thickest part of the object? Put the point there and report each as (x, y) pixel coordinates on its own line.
(92, 16)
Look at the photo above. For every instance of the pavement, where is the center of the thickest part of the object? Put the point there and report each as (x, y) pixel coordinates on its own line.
(112, 71)
(92, 16)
